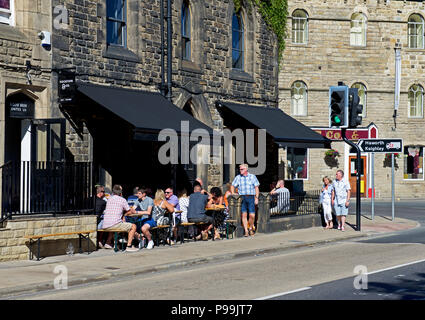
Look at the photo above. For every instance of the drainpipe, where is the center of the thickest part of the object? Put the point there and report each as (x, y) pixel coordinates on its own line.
(169, 50)
(162, 50)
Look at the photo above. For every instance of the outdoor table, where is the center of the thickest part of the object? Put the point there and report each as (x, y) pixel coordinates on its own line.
(213, 210)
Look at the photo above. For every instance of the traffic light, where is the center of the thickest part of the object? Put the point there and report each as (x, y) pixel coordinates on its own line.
(355, 108)
(338, 107)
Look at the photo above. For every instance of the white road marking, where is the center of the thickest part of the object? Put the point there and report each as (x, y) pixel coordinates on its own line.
(283, 293)
(396, 267)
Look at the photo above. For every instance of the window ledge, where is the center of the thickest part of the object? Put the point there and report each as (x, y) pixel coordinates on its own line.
(120, 53)
(190, 66)
(8, 32)
(415, 50)
(240, 75)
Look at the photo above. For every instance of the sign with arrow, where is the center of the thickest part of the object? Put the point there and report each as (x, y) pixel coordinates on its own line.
(381, 145)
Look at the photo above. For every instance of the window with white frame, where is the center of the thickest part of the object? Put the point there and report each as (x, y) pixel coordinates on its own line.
(7, 12)
(116, 11)
(299, 27)
(358, 29)
(362, 92)
(299, 98)
(416, 31)
(416, 101)
(297, 160)
(413, 162)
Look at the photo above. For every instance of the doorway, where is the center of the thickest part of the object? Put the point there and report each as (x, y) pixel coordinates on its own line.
(352, 176)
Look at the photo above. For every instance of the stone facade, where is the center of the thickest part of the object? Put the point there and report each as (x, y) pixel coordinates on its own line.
(197, 84)
(13, 245)
(328, 57)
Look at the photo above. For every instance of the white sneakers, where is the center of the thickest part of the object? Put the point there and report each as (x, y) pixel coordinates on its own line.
(131, 249)
(150, 245)
(142, 244)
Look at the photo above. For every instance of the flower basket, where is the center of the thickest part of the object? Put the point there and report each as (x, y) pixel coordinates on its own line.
(331, 158)
(332, 153)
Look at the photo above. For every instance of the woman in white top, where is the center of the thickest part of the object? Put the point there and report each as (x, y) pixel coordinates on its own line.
(325, 200)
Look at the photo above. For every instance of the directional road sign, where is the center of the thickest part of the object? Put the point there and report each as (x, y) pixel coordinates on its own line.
(381, 145)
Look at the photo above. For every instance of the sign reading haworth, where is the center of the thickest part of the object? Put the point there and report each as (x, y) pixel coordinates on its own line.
(245, 143)
(381, 145)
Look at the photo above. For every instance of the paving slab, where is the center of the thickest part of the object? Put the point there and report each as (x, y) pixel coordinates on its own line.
(25, 276)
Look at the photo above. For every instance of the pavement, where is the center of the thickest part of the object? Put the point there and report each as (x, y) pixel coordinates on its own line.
(25, 276)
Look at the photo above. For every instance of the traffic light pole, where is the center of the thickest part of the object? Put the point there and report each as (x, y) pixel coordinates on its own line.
(358, 206)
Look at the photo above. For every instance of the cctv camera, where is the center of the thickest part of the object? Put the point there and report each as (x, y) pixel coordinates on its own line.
(45, 39)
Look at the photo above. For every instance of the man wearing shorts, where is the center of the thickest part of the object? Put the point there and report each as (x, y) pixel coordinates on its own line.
(113, 218)
(341, 198)
(247, 185)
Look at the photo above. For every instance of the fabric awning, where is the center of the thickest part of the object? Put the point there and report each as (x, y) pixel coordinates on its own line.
(147, 112)
(285, 130)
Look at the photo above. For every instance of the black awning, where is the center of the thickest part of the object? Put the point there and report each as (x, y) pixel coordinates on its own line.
(285, 130)
(147, 112)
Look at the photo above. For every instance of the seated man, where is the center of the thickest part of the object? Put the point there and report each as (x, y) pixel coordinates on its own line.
(196, 211)
(114, 219)
(144, 206)
(283, 197)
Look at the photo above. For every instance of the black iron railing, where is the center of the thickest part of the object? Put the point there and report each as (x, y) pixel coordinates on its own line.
(287, 203)
(46, 187)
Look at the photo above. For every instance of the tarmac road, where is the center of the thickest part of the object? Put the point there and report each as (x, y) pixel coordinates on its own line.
(256, 277)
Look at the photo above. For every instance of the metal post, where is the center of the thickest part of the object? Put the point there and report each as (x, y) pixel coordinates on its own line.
(358, 206)
(373, 185)
(169, 51)
(392, 185)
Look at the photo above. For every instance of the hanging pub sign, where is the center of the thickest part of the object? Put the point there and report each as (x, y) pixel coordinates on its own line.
(66, 86)
(20, 106)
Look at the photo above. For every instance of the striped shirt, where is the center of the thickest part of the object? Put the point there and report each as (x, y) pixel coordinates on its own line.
(115, 207)
(246, 184)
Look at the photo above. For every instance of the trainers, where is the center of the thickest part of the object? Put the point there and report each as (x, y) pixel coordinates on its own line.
(132, 249)
(122, 240)
(107, 246)
(339, 227)
(342, 229)
(100, 244)
(150, 245)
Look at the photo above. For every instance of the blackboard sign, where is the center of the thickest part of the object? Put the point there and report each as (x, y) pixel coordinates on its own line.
(66, 87)
(20, 106)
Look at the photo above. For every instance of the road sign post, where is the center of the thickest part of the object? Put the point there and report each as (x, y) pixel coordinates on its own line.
(358, 206)
(384, 146)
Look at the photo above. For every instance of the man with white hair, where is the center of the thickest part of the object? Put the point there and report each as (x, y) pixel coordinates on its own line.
(247, 185)
(341, 198)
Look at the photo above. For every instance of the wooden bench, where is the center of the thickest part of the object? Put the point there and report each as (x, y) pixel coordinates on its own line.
(81, 235)
(117, 233)
(155, 233)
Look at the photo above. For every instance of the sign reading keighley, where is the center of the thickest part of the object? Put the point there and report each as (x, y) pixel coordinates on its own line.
(66, 87)
(21, 106)
(381, 145)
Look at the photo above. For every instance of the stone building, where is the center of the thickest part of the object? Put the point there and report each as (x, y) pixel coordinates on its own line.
(120, 46)
(355, 42)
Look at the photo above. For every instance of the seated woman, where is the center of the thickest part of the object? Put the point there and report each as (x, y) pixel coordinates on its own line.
(160, 207)
(216, 198)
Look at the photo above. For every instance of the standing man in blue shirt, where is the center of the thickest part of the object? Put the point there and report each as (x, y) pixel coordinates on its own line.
(247, 185)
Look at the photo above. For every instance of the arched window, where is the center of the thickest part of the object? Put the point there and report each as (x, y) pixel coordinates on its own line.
(416, 101)
(362, 92)
(416, 31)
(358, 29)
(237, 41)
(299, 27)
(185, 23)
(299, 98)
